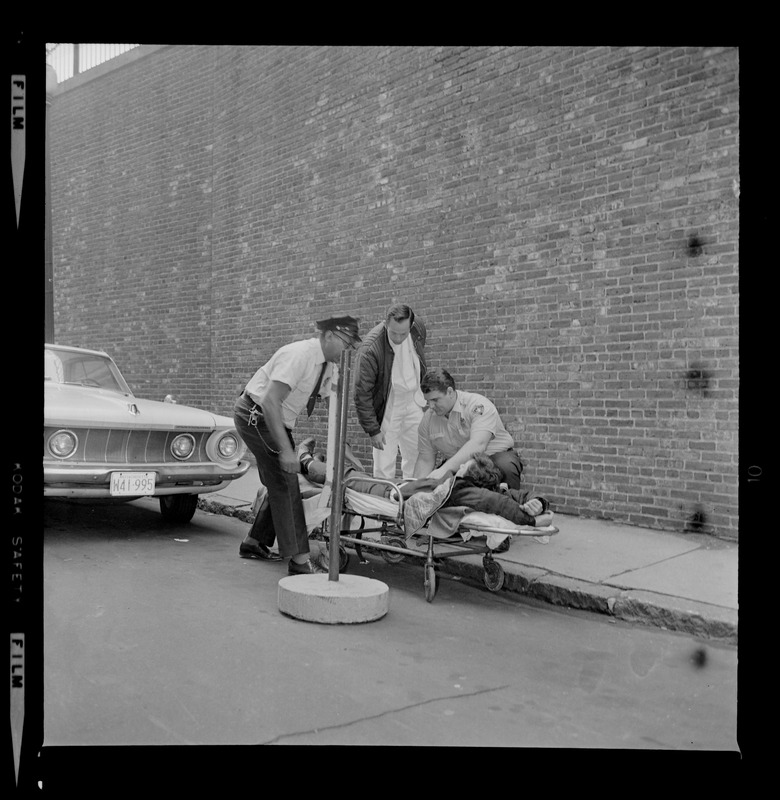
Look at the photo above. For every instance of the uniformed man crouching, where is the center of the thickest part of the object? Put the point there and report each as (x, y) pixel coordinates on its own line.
(265, 415)
(458, 425)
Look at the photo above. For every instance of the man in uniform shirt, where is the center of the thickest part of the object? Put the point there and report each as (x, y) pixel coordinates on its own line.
(458, 425)
(265, 415)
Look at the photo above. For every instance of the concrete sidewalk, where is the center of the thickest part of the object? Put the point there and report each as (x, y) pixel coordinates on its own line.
(681, 582)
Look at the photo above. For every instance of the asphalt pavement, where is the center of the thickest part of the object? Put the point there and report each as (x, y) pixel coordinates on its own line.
(683, 582)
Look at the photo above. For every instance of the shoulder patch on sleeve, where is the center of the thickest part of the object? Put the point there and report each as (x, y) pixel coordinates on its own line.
(480, 409)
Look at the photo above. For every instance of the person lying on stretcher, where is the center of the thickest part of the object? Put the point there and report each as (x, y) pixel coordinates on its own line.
(477, 486)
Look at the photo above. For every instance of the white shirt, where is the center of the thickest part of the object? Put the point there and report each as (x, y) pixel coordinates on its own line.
(405, 375)
(297, 365)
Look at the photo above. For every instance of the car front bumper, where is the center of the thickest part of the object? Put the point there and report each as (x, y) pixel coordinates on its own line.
(61, 480)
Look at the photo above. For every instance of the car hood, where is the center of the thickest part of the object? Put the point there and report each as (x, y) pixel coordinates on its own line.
(76, 406)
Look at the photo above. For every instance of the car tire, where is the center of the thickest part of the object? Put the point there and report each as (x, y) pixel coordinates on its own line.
(178, 507)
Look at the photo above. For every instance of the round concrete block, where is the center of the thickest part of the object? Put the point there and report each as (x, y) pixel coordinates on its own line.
(350, 599)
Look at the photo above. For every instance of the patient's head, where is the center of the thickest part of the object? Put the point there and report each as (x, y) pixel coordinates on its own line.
(481, 471)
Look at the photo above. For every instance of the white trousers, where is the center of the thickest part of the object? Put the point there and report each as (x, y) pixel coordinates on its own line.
(399, 425)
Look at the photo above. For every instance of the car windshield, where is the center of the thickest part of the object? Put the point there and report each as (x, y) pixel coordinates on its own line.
(82, 369)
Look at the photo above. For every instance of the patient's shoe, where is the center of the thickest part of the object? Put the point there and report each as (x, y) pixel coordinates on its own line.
(306, 446)
(305, 450)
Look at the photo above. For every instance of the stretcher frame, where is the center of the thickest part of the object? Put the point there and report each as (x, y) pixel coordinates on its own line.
(393, 548)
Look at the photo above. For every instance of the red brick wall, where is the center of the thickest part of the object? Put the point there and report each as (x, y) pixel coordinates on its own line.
(564, 219)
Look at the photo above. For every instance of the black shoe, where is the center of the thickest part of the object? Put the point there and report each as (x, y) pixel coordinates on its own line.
(307, 568)
(259, 551)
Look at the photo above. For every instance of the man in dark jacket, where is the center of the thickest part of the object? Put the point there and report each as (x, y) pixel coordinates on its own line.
(388, 400)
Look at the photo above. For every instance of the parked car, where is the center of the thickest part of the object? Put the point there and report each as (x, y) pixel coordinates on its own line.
(101, 441)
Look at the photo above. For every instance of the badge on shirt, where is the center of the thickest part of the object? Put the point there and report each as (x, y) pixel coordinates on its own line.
(479, 410)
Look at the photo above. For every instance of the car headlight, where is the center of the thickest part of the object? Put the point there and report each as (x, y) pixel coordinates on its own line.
(227, 446)
(183, 446)
(63, 444)
(224, 446)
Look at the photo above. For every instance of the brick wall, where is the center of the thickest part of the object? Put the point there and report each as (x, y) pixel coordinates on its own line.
(564, 219)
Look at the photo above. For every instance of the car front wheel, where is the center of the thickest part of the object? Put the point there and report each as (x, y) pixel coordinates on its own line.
(178, 507)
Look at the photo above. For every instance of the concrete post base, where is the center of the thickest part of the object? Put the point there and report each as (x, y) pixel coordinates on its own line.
(350, 599)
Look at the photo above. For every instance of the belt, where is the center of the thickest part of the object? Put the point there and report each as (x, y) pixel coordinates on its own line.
(256, 408)
(251, 403)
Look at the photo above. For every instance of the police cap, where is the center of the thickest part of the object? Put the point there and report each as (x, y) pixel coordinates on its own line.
(347, 325)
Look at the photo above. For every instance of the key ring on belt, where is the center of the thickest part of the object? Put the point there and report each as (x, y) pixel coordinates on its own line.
(254, 413)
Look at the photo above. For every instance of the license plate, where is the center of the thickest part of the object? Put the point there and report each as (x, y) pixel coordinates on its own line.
(132, 483)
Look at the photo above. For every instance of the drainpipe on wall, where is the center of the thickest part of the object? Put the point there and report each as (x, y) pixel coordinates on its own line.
(51, 85)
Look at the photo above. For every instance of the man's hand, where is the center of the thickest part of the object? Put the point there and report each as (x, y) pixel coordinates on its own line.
(533, 507)
(378, 441)
(439, 473)
(289, 462)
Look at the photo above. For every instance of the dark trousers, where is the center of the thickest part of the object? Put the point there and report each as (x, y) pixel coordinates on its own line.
(510, 464)
(280, 515)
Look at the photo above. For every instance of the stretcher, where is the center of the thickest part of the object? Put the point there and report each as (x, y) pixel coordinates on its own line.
(375, 522)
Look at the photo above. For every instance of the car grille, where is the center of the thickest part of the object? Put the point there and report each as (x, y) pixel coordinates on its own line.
(110, 446)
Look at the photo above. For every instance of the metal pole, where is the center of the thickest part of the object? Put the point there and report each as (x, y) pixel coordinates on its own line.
(338, 471)
(48, 295)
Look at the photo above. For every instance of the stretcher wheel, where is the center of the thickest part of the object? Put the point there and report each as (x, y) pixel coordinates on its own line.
(493, 575)
(430, 582)
(343, 559)
(390, 557)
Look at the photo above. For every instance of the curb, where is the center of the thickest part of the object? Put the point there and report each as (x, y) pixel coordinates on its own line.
(674, 613)
(660, 611)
